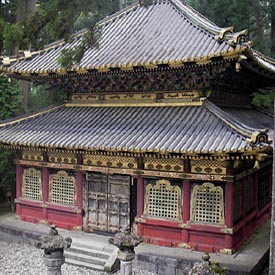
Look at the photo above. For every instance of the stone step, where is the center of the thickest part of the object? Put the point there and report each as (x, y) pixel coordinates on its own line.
(89, 251)
(89, 256)
(84, 258)
(85, 264)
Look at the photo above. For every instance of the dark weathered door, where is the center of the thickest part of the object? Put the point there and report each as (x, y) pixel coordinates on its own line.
(108, 202)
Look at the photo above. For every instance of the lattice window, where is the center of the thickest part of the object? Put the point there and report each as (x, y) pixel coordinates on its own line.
(163, 201)
(237, 209)
(207, 204)
(32, 184)
(264, 187)
(249, 193)
(62, 188)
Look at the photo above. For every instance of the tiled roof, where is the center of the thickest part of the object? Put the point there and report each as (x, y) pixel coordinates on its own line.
(167, 32)
(180, 129)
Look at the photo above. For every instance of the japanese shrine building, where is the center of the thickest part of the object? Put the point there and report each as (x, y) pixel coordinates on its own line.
(158, 132)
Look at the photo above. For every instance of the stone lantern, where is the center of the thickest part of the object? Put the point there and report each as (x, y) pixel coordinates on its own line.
(126, 241)
(53, 245)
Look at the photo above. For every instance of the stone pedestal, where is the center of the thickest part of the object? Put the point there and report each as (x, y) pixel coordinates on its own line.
(126, 241)
(53, 246)
(126, 262)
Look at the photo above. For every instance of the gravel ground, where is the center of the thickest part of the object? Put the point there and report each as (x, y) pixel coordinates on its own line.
(22, 259)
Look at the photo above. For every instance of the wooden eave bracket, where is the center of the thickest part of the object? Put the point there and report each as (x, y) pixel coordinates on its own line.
(238, 38)
(222, 34)
(259, 137)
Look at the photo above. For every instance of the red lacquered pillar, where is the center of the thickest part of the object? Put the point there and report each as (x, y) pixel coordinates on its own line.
(140, 202)
(79, 192)
(186, 190)
(45, 192)
(19, 175)
(229, 205)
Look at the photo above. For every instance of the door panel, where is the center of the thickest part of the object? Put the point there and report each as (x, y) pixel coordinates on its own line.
(108, 202)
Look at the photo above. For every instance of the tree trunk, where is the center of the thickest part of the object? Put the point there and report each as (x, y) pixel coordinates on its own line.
(272, 29)
(117, 4)
(272, 232)
(23, 8)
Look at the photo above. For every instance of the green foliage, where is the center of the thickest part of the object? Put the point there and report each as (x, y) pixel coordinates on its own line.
(265, 100)
(9, 106)
(9, 98)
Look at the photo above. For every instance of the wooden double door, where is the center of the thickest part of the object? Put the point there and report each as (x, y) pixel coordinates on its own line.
(107, 202)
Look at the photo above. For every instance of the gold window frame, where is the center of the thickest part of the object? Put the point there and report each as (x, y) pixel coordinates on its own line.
(35, 193)
(163, 205)
(56, 192)
(202, 214)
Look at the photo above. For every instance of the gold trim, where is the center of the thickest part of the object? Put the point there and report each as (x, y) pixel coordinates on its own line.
(206, 188)
(138, 104)
(140, 220)
(228, 231)
(150, 195)
(33, 193)
(77, 228)
(43, 222)
(184, 245)
(227, 251)
(184, 225)
(31, 116)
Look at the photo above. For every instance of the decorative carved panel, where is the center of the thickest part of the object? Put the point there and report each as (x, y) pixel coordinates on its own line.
(58, 157)
(207, 204)
(163, 201)
(110, 161)
(204, 166)
(32, 155)
(32, 184)
(62, 188)
(159, 164)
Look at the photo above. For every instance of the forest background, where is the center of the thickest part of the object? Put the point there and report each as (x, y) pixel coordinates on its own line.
(31, 24)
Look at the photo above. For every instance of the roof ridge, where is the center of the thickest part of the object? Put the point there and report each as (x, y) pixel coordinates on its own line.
(231, 122)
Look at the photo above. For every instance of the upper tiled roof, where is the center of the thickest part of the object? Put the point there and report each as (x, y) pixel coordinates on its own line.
(167, 32)
(174, 129)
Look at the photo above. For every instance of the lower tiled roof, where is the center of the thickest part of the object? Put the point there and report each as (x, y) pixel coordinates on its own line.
(182, 129)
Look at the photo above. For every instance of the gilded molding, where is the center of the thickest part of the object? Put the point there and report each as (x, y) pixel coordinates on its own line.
(204, 166)
(59, 157)
(77, 228)
(110, 161)
(184, 225)
(140, 220)
(32, 155)
(184, 245)
(226, 251)
(228, 231)
(162, 164)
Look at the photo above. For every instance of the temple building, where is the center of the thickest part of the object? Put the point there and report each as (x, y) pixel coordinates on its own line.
(158, 132)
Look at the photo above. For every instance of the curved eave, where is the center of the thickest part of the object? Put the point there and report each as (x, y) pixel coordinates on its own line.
(260, 63)
(232, 54)
(249, 151)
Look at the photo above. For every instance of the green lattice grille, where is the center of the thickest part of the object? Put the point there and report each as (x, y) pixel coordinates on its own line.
(208, 206)
(163, 201)
(62, 189)
(32, 184)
